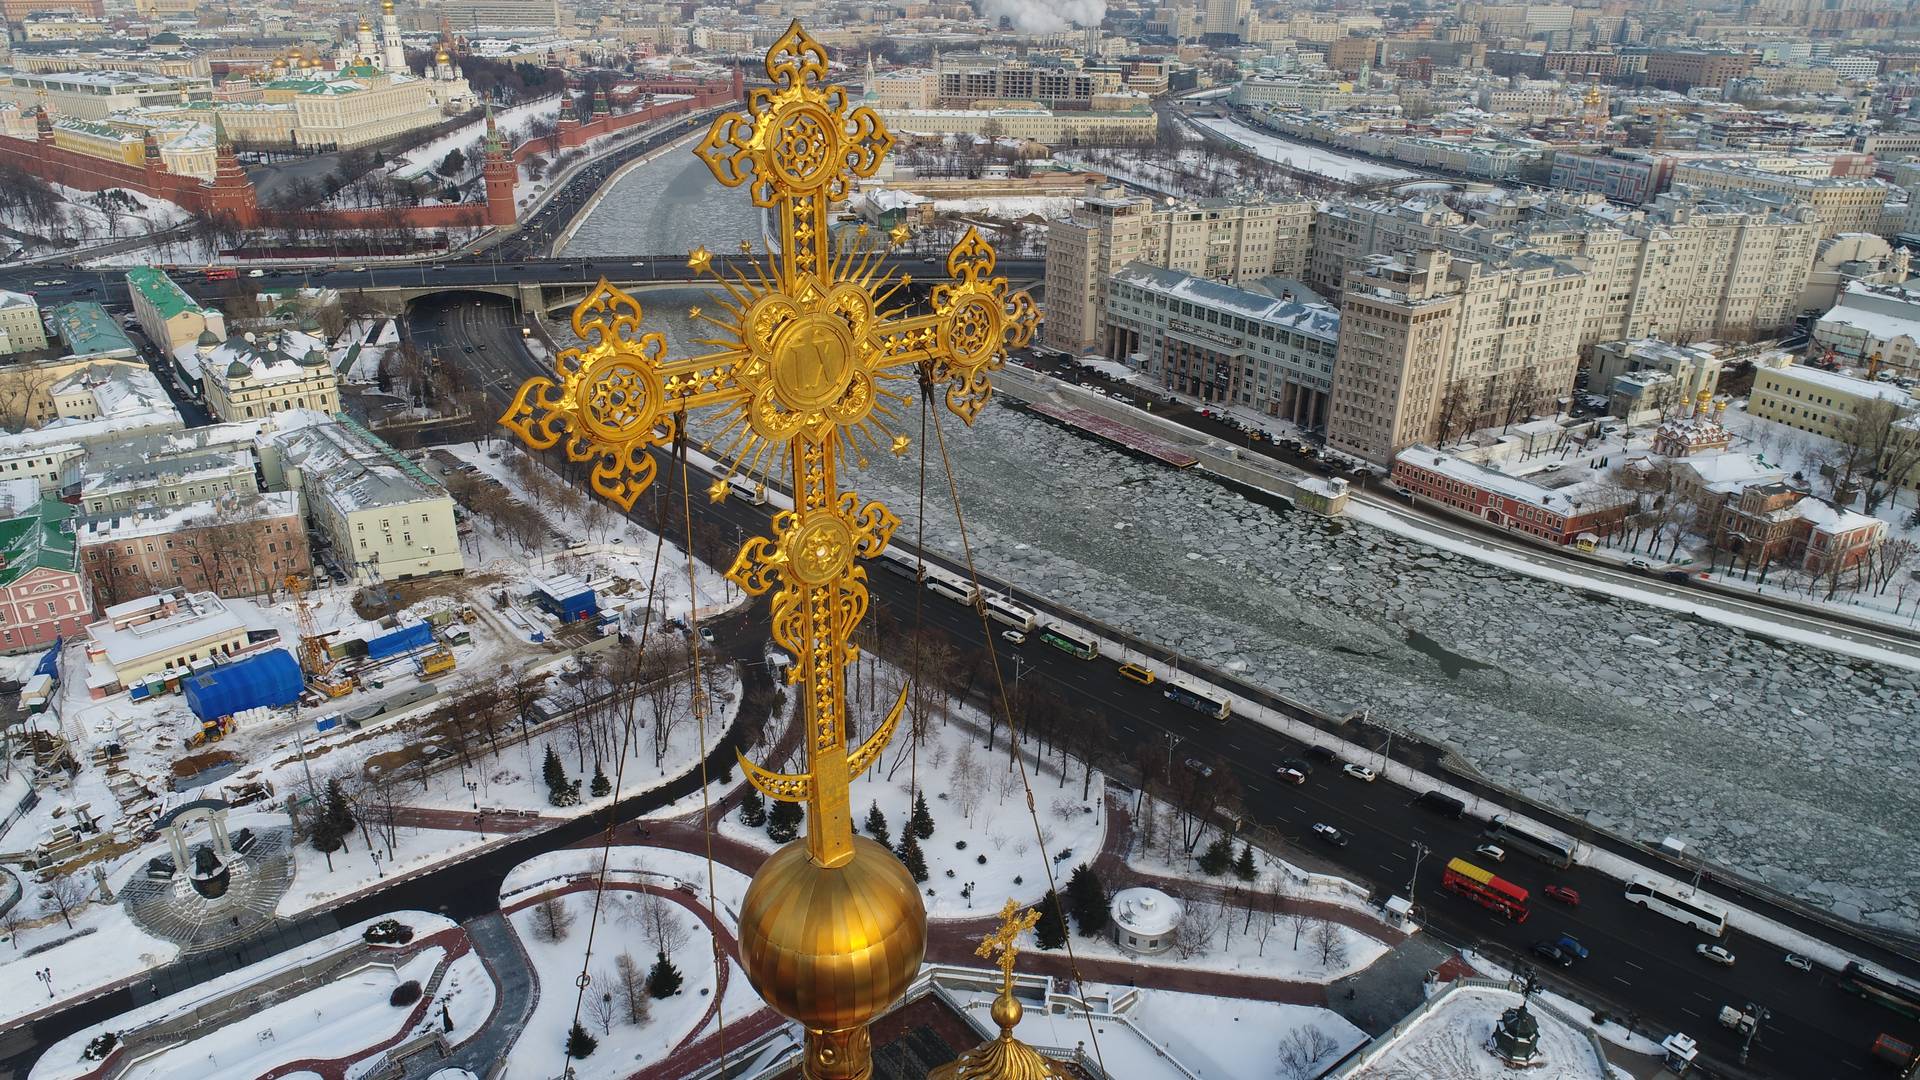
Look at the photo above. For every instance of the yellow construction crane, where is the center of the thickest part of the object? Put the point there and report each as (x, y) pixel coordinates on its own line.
(315, 661)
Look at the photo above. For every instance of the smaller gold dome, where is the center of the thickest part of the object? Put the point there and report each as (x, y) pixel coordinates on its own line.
(441, 57)
(832, 947)
(366, 27)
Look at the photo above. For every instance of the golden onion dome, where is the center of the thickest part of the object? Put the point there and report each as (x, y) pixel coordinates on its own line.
(366, 27)
(441, 57)
(1004, 1058)
(832, 947)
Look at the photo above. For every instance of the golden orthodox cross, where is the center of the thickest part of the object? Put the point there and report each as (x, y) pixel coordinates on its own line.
(1005, 939)
(803, 365)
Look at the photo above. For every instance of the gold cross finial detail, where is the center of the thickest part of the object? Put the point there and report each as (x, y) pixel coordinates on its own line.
(1005, 939)
(810, 359)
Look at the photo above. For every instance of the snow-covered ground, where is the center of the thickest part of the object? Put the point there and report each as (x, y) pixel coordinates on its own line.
(979, 813)
(87, 218)
(327, 1021)
(1450, 1043)
(1768, 756)
(1266, 946)
(1344, 168)
(624, 1047)
(1209, 1037)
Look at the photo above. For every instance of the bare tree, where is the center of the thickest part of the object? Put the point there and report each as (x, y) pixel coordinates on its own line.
(1880, 446)
(1194, 936)
(1455, 416)
(69, 893)
(551, 919)
(1301, 1050)
(660, 922)
(630, 987)
(965, 780)
(1329, 944)
(601, 1008)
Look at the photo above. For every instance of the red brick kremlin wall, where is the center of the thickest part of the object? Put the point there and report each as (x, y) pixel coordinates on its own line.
(233, 195)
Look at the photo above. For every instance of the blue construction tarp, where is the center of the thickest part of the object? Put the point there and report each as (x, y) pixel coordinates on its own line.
(268, 679)
(50, 662)
(406, 639)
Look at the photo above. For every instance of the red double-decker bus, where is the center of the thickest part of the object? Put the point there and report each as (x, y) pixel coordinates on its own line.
(1483, 888)
(221, 273)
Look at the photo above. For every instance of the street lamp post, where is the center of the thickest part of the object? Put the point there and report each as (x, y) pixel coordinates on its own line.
(45, 975)
(473, 789)
(1413, 883)
(1760, 1016)
(376, 864)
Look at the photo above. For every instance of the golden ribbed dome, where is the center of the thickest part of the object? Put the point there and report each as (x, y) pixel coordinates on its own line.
(1004, 1058)
(832, 946)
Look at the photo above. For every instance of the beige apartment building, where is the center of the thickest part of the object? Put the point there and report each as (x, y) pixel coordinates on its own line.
(248, 378)
(94, 95)
(1689, 264)
(1211, 238)
(1845, 204)
(20, 327)
(1066, 127)
(1397, 324)
(1511, 336)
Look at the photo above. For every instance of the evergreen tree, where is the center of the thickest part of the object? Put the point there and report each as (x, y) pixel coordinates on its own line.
(1088, 899)
(877, 826)
(559, 792)
(337, 814)
(664, 980)
(1218, 856)
(921, 823)
(1243, 867)
(1051, 931)
(601, 785)
(579, 1043)
(783, 822)
(753, 809)
(914, 859)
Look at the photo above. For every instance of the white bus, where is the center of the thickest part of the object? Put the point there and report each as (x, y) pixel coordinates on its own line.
(950, 585)
(1682, 905)
(1003, 609)
(744, 488)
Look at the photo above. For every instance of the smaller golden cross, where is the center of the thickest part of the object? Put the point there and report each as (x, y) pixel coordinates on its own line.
(1005, 940)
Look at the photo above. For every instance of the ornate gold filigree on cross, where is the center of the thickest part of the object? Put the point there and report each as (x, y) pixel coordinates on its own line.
(810, 362)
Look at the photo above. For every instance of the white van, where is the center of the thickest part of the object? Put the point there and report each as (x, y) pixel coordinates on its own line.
(746, 489)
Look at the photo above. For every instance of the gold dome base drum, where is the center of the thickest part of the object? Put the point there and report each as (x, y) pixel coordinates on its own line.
(833, 947)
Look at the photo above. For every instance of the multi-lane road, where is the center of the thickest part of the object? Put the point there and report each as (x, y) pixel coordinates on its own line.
(1641, 964)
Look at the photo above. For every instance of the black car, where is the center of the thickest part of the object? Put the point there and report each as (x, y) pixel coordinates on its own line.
(1298, 765)
(1677, 577)
(1547, 950)
(1322, 753)
(1441, 803)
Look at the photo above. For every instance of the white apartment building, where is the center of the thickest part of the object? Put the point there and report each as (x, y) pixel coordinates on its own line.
(1212, 238)
(381, 514)
(249, 377)
(20, 327)
(1845, 204)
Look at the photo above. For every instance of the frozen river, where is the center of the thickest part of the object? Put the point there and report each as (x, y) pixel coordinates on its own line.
(665, 207)
(1791, 763)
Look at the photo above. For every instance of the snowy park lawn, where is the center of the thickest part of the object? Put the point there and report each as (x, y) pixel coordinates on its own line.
(1450, 1043)
(1344, 168)
(653, 866)
(315, 884)
(1264, 946)
(330, 1021)
(959, 775)
(103, 948)
(468, 993)
(1208, 1036)
(625, 1048)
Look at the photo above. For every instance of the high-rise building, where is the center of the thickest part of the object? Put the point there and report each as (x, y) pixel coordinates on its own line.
(1846, 204)
(1212, 238)
(1397, 326)
(1440, 346)
(1689, 264)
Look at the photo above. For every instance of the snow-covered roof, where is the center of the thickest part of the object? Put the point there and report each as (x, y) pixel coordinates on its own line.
(1146, 912)
(281, 356)
(161, 521)
(200, 616)
(1827, 518)
(348, 466)
(1318, 320)
(1448, 1036)
(1879, 325)
(1730, 472)
(1562, 500)
(1842, 384)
